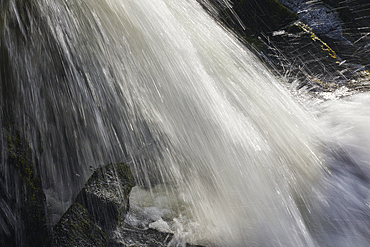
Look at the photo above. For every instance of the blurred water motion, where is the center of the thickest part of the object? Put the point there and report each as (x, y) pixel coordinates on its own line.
(224, 154)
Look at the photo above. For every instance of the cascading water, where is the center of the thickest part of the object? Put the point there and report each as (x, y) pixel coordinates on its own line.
(159, 84)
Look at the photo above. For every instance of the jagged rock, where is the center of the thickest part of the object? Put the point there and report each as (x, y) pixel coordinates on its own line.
(106, 194)
(251, 20)
(341, 27)
(342, 24)
(22, 200)
(100, 206)
(97, 209)
(77, 228)
(322, 45)
(129, 236)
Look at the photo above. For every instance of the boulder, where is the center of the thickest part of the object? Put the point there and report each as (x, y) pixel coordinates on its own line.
(106, 194)
(101, 204)
(96, 218)
(77, 228)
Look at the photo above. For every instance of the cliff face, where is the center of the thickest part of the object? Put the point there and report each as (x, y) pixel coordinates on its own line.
(22, 200)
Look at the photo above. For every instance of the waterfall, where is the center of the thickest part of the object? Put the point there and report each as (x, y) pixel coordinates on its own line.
(160, 85)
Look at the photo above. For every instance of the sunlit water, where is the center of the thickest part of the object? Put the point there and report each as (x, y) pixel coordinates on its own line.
(232, 157)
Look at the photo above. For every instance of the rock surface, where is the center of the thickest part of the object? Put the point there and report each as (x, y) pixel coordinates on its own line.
(106, 194)
(96, 218)
(101, 204)
(321, 45)
(129, 236)
(22, 200)
(77, 228)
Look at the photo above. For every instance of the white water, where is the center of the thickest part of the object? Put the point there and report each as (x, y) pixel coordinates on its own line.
(231, 140)
(236, 156)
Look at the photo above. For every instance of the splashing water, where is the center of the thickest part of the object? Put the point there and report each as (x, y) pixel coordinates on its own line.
(232, 159)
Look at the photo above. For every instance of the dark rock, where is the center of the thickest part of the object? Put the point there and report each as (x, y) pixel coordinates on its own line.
(98, 208)
(323, 45)
(139, 237)
(343, 25)
(22, 200)
(270, 29)
(130, 236)
(355, 20)
(106, 194)
(77, 228)
(250, 19)
(299, 54)
(257, 17)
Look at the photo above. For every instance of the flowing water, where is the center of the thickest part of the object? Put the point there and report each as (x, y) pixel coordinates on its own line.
(224, 154)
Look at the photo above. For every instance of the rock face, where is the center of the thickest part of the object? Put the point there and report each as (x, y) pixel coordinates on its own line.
(342, 24)
(22, 200)
(323, 45)
(138, 237)
(99, 208)
(130, 236)
(101, 204)
(77, 228)
(106, 194)
(341, 29)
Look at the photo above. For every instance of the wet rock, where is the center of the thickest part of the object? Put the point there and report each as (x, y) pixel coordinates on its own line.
(321, 18)
(355, 22)
(271, 30)
(250, 19)
(106, 194)
(101, 204)
(259, 17)
(77, 228)
(343, 27)
(96, 218)
(130, 236)
(22, 200)
(341, 24)
(320, 45)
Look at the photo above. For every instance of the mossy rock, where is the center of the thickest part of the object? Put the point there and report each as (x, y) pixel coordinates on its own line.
(77, 228)
(23, 202)
(106, 194)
